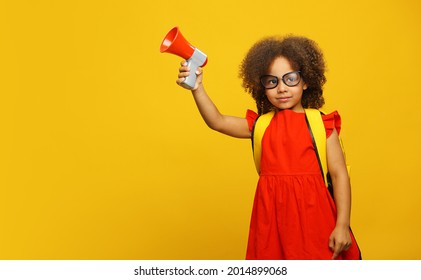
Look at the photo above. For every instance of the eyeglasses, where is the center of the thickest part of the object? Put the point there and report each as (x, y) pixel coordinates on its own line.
(290, 79)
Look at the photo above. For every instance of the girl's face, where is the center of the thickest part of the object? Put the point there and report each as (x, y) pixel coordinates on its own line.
(283, 96)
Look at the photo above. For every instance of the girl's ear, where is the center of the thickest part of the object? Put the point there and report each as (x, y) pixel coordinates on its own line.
(304, 86)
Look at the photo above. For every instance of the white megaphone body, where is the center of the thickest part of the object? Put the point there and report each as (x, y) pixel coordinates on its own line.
(175, 43)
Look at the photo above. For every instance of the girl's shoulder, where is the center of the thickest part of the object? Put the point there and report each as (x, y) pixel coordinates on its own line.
(332, 121)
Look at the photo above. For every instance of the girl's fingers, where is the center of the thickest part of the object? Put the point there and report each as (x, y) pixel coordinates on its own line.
(183, 69)
(331, 244)
(184, 66)
(183, 74)
(180, 80)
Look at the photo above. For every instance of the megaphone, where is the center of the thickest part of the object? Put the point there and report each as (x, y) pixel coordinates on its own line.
(175, 43)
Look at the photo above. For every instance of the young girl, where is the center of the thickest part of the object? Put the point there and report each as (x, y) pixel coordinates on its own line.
(294, 216)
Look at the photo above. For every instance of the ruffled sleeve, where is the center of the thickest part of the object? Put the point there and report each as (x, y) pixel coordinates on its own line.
(251, 117)
(331, 121)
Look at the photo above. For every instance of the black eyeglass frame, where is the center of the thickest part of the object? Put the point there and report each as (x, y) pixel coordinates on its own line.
(282, 78)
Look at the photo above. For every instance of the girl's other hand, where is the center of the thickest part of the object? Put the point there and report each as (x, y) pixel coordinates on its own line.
(339, 241)
(184, 71)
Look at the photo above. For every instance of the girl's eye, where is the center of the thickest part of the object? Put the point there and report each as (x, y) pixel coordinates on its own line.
(272, 81)
(291, 78)
(269, 81)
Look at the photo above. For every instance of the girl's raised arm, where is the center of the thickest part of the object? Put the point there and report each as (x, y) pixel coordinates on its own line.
(229, 125)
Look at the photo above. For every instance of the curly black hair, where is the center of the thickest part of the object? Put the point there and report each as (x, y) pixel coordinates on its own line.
(303, 54)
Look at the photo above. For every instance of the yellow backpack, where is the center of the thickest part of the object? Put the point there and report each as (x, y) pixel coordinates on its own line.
(317, 132)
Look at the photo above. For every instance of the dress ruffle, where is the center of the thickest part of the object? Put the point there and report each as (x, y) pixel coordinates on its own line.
(251, 117)
(331, 121)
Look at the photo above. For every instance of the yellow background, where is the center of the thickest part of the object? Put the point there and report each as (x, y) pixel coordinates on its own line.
(103, 156)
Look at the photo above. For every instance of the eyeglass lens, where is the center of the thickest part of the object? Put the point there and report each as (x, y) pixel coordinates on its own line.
(290, 79)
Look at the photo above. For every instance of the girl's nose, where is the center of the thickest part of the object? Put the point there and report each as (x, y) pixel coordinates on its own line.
(281, 86)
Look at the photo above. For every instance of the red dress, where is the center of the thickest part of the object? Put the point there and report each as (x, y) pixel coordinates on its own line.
(293, 213)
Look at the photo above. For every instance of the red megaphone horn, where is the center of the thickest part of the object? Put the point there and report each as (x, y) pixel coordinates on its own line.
(175, 43)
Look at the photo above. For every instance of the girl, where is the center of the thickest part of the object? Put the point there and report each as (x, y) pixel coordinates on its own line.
(294, 216)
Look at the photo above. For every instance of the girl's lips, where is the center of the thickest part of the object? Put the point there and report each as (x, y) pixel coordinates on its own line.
(283, 99)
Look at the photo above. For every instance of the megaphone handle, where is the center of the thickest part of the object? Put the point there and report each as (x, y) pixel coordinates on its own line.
(197, 59)
(190, 80)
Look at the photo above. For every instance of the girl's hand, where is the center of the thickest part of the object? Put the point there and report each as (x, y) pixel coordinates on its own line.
(184, 71)
(339, 241)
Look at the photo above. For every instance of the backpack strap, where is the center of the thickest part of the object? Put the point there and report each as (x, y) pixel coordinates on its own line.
(259, 128)
(318, 133)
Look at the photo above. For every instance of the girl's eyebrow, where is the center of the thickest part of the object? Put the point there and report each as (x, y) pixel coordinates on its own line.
(271, 73)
